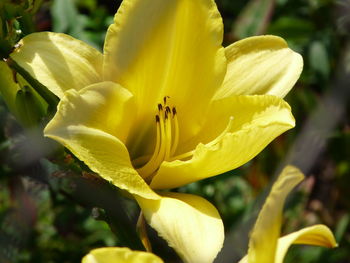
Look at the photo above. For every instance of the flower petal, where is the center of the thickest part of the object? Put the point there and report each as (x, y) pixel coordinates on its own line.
(85, 125)
(244, 259)
(318, 235)
(167, 48)
(59, 61)
(264, 237)
(189, 223)
(106, 106)
(257, 120)
(119, 255)
(260, 65)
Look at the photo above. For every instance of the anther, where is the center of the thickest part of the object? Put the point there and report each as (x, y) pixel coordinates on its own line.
(167, 109)
(166, 141)
(165, 99)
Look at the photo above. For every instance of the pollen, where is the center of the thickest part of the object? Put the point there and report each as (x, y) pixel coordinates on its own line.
(167, 139)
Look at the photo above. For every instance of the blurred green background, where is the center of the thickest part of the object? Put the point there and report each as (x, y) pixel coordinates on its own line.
(50, 215)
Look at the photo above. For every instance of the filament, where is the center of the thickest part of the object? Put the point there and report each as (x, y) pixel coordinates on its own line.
(167, 140)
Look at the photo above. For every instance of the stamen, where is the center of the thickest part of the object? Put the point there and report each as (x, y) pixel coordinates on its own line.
(228, 127)
(167, 133)
(144, 170)
(176, 132)
(165, 99)
(215, 141)
(160, 156)
(167, 110)
(166, 142)
(182, 156)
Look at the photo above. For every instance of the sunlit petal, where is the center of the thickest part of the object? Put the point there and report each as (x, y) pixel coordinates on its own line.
(105, 106)
(189, 223)
(167, 48)
(77, 126)
(264, 237)
(318, 235)
(58, 61)
(260, 65)
(251, 123)
(244, 259)
(119, 255)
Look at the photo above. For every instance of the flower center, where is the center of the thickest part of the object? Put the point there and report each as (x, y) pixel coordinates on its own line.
(166, 141)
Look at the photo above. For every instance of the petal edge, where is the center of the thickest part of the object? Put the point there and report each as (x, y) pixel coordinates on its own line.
(260, 65)
(189, 223)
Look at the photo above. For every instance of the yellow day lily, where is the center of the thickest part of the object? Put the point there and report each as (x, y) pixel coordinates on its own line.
(166, 105)
(265, 244)
(119, 255)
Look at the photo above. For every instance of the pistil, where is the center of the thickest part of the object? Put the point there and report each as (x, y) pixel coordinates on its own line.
(217, 140)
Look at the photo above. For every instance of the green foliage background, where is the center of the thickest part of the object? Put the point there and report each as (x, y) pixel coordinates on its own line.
(46, 214)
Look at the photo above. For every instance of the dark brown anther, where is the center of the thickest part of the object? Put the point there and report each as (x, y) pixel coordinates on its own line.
(160, 107)
(165, 99)
(166, 115)
(167, 109)
(174, 111)
(157, 118)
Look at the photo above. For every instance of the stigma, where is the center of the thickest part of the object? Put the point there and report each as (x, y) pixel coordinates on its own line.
(167, 139)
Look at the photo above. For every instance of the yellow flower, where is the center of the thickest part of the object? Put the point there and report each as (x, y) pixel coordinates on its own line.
(265, 244)
(166, 105)
(119, 255)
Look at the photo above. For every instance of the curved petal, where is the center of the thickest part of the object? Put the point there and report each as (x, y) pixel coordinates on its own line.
(264, 237)
(167, 48)
(106, 106)
(119, 255)
(58, 61)
(318, 235)
(189, 223)
(255, 122)
(78, 126)
(244, 259)
(260, 65)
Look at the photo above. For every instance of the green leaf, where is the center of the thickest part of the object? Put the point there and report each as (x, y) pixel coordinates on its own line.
(253, 19)
(296, 29)
(318, 58)
(8, 87)
(64, 14)
(342, 225)
(30, 107)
